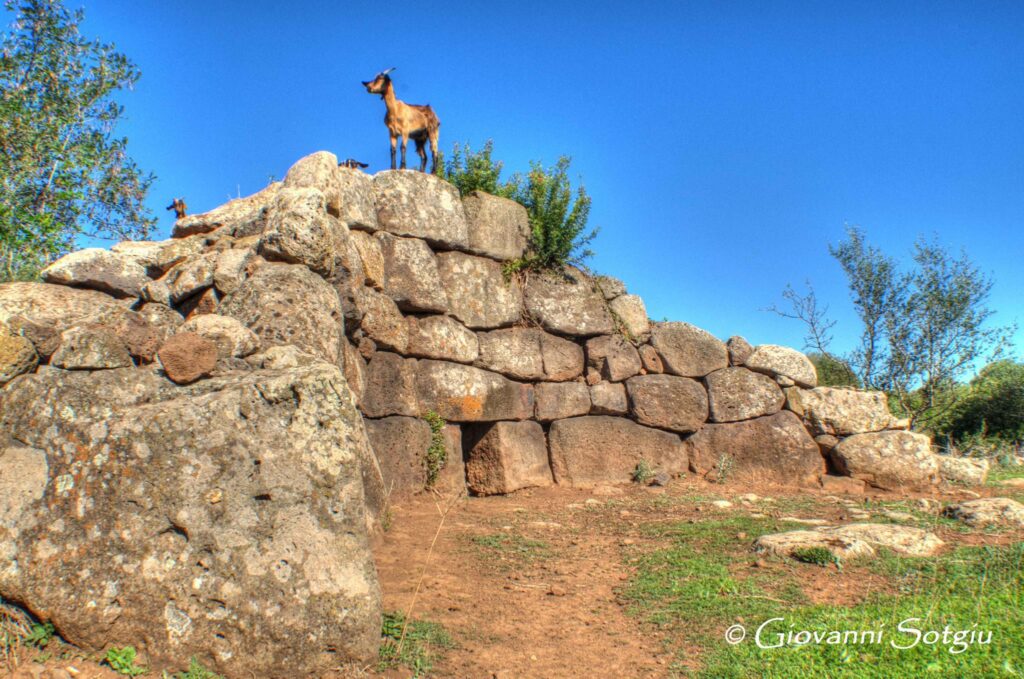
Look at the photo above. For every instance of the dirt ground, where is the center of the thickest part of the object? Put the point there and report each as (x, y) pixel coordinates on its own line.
(527, 585)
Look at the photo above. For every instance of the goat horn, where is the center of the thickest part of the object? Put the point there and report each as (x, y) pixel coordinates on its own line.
(388, 70)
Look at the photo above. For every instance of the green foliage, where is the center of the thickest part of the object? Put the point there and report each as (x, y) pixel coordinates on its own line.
(195, 671)
(122, 661)
(819, 556)
(63, 173)
(643, 472)
(511, 549)
(415, 644)
(558, 214)
(833, 371)
(472, 171)
(724, 467)
(437, 453)
(40, 634)
(991, 406)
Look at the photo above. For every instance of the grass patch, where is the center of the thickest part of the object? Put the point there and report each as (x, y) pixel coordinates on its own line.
(122, 661)
(422, 645)
(693, 590)
(819, 556)
(195, 671)
(437, 453)
(999, 473)
(511, 547)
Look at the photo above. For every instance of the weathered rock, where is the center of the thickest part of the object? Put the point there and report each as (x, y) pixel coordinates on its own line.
(900, 539)
(608, 398)
(593, 376)
(826, 442)
(224, 521)
(477, 292)
(357, 210)
(90, 347)
(17, 356)
(515, 352)
(299, 231)
(738, 394)
(452, 478)
(568, 304)
(563, 360)
(559, 400)
(318, 171)
(354, 369)
(840, 412)
(157, 257)
(964, 470)
(421, 205)
(650, 360)
(410, 274)
(775, 448)
(98, 269)
(614, 357)
(688, 351)
(382, 321)
(461, 393)
(289, 304)
(739, 350)
(589, 451)
(783, 362)
(498, 227)
(443, 338)
(632, 314)
(891, 460)
(281, 357)
(230, 270)
(240, 217)
(400, 444)
(186, 357)
(390, 386)
(988, 511)
(157, 292)
(205, 302)
(232, 339)
(668, 402)
(785, 544)
(506, 456)
(610, 287)
(371, 257)
(23, 478)
(190, 277)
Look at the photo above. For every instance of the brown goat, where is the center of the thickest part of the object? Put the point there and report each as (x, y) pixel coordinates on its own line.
(179, 207)
(407, 121)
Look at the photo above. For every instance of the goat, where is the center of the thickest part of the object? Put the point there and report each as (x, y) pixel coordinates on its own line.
(179, 207)
(407, 121)
(352, 163)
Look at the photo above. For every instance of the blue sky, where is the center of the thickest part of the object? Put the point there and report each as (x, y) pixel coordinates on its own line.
(725, 144)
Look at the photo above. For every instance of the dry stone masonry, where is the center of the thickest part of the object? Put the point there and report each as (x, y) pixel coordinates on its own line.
(217, 421)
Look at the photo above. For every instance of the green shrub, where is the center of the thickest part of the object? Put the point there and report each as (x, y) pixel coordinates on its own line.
(122, 661)
(195, 671)
(415, 644)
(437, 453)
(818, 556)
(643, 472)
(558, 214)
(991, 407)
(833, 372)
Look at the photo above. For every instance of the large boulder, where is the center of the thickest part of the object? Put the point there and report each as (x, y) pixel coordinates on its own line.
(563, 360)
(498, 227)
(390, 386)
(299, 231)
(240, 217)
(410, 274)
(371, 257)
(188, 278)
(478, 293)
(289, 304)
(348, 193)
(965, 470)
(401, 445)
(382, 321)
(462, 393)
(515, 352)
(687, 350)
(443, 338)
(668, 402)
(840, 412)
(773, 448)
(420, 205)
(738, 394)
(40, 312)
(783, 362)
(988, 511)
(356, 205)
(506, 456)
(90, 347)
(568, 304)
(98, 269)
(613, 357)
(232, 339)
(739, 349)
(593, 450)
(891, 460)
(17, 356)
(226, 520)
(559, 400)
(156, 257)
(608, 398)
(231, 269)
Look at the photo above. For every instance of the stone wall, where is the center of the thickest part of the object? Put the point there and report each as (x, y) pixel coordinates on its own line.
(167, 397)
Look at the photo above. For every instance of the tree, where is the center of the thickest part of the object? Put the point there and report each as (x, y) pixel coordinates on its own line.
(922, 330)
(833, 371)
(63, 173)
(993, 405)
